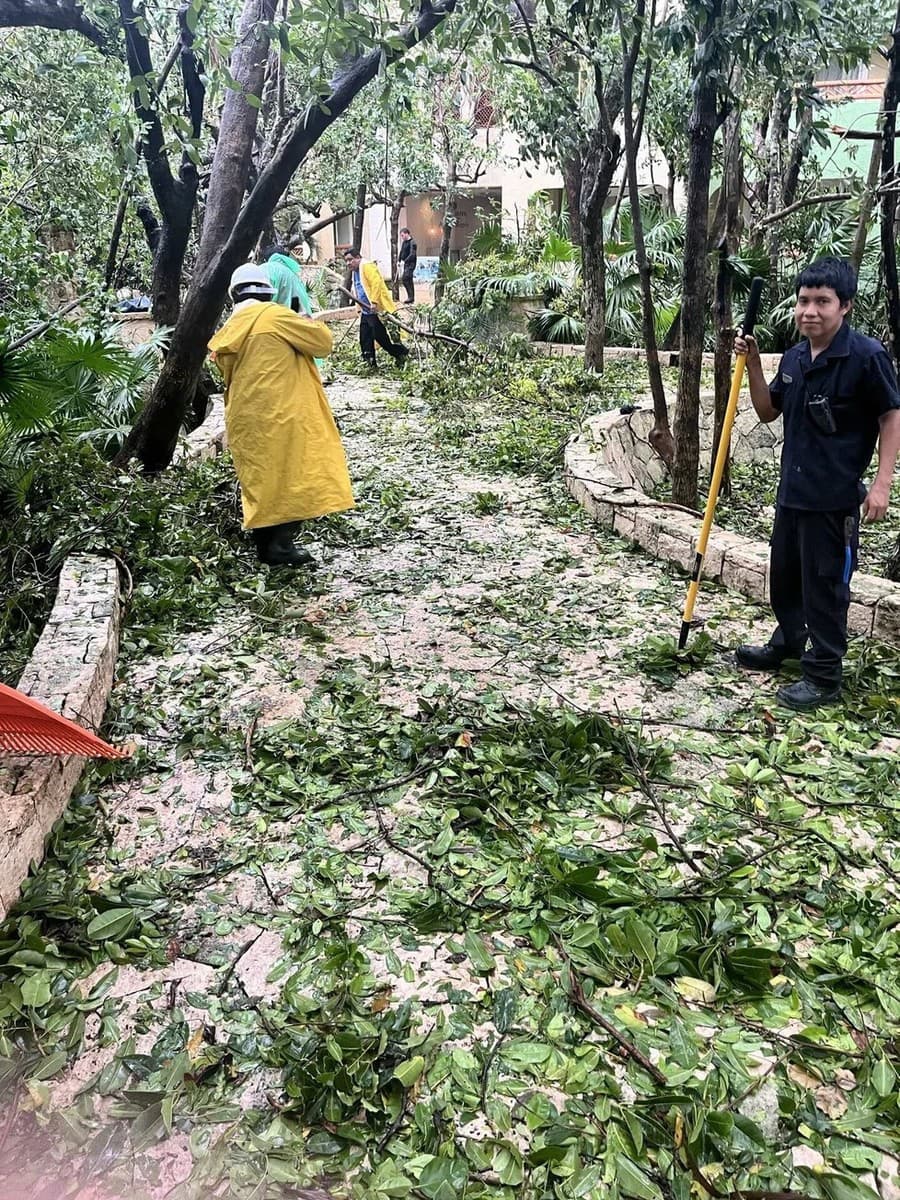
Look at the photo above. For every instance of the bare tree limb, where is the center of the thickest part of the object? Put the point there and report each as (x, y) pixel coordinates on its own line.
(826, 198)
(53, 14)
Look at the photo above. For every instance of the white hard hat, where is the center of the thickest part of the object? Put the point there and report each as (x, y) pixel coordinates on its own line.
(250, 280)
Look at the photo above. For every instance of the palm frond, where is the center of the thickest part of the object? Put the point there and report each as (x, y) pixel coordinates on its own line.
(549, 326)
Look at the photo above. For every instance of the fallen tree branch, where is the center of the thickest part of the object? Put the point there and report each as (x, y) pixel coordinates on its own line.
(38, 330)
(578, 998)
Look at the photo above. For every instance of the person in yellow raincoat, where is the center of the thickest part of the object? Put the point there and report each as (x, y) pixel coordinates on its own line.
(286, 447)
(372, 293)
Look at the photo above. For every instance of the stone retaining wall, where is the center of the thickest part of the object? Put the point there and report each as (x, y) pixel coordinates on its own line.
(609, 468)
(667, 358)
(71, 671)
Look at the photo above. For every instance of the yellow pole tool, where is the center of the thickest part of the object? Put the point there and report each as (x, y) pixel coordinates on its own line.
(715, 482)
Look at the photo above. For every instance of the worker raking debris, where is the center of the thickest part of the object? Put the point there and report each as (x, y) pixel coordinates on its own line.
(286, 447)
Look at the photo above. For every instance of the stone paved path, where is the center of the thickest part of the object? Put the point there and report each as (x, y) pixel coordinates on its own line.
(451, 582)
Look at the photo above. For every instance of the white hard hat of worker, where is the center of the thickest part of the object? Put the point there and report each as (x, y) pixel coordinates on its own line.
(250, 281)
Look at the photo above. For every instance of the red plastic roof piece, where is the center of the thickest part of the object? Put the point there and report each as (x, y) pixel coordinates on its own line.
(28, 727)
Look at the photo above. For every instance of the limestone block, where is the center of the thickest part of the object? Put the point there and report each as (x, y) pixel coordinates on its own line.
(674, 546)
(721, 542)
(860, 618)
(869, 589)
(648, 524)
(603, 511)
(887, 618)
(624, 521)
(745, 570)
(760, 436)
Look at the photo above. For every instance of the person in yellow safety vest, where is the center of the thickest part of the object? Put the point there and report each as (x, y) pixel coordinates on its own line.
(286, 447)
(372, 293)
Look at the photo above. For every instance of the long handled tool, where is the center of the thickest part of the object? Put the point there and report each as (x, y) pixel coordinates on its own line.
(715, 483)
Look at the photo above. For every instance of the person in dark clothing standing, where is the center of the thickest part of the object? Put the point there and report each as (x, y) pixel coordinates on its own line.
(406, 263)
(837, 391)
(372, 294)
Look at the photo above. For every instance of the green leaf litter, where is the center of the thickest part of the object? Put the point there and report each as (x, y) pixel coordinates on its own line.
(439, 876)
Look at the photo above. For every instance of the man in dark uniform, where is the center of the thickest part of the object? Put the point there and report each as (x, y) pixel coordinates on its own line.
(406, 263)
(837, 391)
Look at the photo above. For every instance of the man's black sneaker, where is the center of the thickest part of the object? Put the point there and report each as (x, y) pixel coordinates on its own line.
(805, 695)
(760, 658)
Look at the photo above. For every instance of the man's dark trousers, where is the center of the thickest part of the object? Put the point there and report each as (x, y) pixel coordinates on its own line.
(410, 290)
(813, 555)
(372, 330)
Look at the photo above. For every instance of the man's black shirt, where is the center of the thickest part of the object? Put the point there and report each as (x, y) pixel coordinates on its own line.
(822, 471)
(408, 256)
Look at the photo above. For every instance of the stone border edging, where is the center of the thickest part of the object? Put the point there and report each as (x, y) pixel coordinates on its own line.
(208, 439)
(71, 671)
(667, 358)
(609, 493)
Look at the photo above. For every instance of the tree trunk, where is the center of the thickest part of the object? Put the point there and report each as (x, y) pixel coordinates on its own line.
(448, 224)
(728, 231)
(867, 199)
(701, 129)
(359, 222)
(155, 433)
(237, 130)
(396, 209)
(889, 192)
(671, 179)
(175, 196)
(168, 260)
(593, 272)
(660, 436)
(799, 150)
(778, 130)
(359, 215)
(571, 173)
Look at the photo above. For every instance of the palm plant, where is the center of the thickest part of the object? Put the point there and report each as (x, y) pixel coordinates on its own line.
(67, 386)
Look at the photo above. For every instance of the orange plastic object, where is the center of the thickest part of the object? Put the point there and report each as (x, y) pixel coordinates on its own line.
(28, 727)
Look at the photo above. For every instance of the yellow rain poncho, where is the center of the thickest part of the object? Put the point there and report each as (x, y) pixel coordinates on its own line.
(286, 448)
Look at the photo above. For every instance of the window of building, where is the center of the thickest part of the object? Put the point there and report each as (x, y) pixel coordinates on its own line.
(343, 232)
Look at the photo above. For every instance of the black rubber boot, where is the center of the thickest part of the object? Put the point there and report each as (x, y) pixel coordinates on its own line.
(804, 695)
(276, 547)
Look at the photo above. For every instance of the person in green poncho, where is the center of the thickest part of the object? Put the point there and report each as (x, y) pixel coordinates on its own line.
(285, 277)
(290, 290)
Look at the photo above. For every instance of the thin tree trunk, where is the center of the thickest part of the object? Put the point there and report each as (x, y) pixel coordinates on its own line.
(593, 271)
(671, 179)
(778, 129)
(359, 223)
(660, 436)
(701, 128)
(889, 192)
(116, 237)
(448, 223)
(867, 199)
(729, 231)
(571, 173)
(800, 145)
